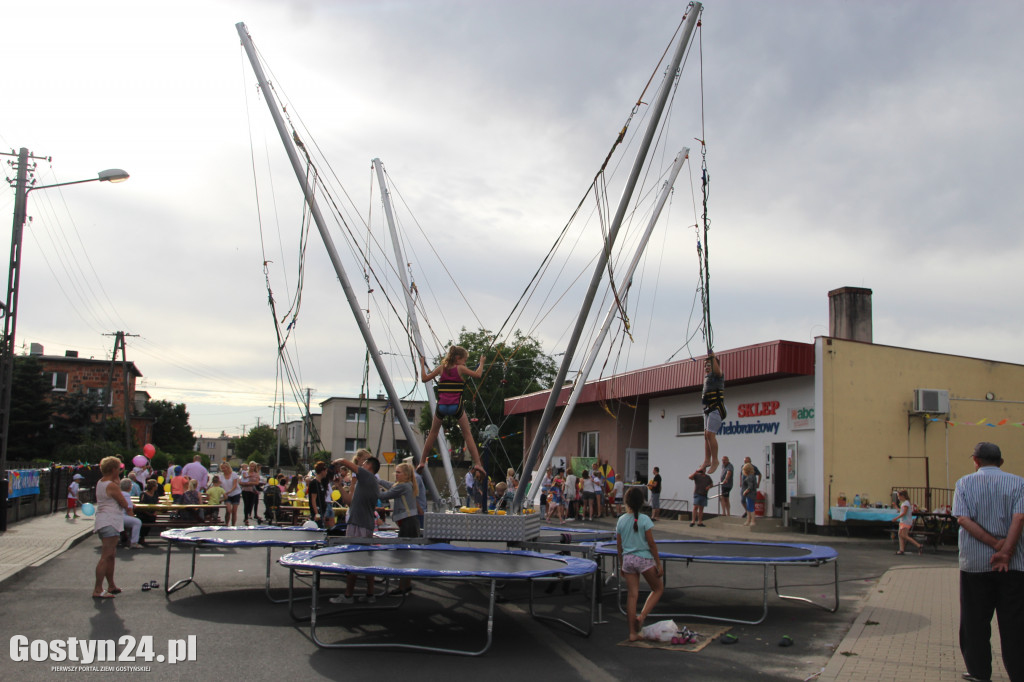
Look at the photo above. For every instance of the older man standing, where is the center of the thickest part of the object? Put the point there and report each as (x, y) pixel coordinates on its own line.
(989, 506)
(197, 472)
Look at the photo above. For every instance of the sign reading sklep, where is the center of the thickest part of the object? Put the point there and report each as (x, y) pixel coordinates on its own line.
(114, 654)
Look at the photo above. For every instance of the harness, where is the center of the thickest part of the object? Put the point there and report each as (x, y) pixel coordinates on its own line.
(714, 400)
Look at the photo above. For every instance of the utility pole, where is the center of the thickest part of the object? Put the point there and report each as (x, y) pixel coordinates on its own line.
(23, 184)
(108, 399)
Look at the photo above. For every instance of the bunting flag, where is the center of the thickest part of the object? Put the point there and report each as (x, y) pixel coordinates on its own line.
(980, 422)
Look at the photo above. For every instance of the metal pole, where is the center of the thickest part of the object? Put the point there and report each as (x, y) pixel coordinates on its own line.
(692, 15)
(10, 313)
(332, 252)
(627, 276)
(414, 326)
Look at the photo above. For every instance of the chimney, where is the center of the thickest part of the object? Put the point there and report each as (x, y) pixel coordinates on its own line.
(849, 314)
(35, 349)
(71, 353)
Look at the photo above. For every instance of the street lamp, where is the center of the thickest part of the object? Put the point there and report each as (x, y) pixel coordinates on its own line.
(22, 187)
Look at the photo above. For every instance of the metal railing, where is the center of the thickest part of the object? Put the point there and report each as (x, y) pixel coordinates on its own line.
(927, 498)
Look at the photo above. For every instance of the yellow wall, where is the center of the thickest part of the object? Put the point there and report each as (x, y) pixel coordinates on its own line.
(867, 394)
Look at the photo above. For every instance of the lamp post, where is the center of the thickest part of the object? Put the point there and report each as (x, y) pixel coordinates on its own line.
(22, 186)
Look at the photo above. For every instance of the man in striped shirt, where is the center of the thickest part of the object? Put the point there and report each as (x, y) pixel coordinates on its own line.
(989, 506)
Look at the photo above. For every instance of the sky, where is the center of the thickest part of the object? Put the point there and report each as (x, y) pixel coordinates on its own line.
(848, 144)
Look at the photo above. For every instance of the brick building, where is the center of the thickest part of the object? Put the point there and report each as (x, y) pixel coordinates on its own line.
(69, 373)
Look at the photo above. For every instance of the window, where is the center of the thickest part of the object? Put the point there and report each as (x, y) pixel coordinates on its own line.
(690, 425)
(353, 444)
(402, 447)
(588, 444)
(100, 394)
(58, 380)
(355, 414)
(410, 416)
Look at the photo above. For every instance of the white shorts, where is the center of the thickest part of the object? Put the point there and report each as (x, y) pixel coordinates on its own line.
(713, 421)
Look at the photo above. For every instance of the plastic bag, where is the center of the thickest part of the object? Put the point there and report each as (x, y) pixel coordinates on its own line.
(662, 631)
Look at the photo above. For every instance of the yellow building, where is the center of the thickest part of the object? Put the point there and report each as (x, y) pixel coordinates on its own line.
(873, 436)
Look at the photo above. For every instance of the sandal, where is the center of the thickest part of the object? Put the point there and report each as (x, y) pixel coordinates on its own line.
(900, 552)
(103, 595)
(146, 587)
(729, 638)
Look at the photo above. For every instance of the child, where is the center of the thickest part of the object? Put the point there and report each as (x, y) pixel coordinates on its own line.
(906, 519)
(638, 555)
(73, 495)
(215, 493)
(452, 372)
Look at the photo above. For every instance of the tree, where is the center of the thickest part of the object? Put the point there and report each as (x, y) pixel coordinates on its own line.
(29, 435)
(171, 430)
(73, 418)
(514, 368)
(259, 445)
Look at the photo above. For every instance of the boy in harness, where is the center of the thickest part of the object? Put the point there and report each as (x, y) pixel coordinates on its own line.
(713, 398)
(451, 375)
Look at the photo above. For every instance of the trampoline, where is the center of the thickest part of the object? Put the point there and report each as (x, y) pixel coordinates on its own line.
(572, 536)
(233, 537)
(438, 562)
(768, 555)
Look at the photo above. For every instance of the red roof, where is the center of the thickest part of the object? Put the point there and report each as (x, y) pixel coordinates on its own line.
(763, 362)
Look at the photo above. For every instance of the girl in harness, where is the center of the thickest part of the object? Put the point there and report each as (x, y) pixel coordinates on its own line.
(451, 375)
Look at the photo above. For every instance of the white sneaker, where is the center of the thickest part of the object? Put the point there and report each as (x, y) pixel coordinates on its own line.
(342, 599)
(569, 520)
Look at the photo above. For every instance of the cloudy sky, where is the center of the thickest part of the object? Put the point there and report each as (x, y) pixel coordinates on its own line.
(849, 144)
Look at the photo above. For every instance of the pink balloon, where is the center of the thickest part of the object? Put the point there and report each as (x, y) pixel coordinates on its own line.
(139, 461)
(122, 465)
(149, 450)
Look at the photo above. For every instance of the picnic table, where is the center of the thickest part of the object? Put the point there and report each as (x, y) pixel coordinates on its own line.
(178, 515)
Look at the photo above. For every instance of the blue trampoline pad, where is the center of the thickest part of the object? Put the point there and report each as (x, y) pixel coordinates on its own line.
(438, 561)
(740, 552)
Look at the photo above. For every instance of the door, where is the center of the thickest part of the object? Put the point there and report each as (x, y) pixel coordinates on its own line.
(636, 466)
(775, 472)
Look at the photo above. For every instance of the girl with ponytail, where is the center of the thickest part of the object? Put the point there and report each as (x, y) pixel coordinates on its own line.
(638, 555)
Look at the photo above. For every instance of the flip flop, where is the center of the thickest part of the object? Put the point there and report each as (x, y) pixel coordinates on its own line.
(786, 641)
(116, 590)
(729, 638)
(146, 587)
(153, 584)
(103, 595)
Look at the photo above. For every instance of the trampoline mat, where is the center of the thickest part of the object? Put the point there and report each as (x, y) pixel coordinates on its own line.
(435, 561)
(755, 552)
(248, 537)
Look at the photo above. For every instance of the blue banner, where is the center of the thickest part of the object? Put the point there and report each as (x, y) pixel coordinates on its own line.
(22, 482)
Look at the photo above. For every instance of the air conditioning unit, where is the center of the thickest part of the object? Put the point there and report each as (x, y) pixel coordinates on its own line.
(931, 401)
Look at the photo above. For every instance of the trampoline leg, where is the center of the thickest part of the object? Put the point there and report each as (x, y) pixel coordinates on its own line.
(168, 588)
(835, 587)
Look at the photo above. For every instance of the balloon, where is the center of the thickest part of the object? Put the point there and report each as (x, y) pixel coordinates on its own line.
(159, 479)
(310, 524)
(167, 488)
(149, 450)
(139, 461)
(272, 481)
(335, 494)
(122, 465)
(88, 508)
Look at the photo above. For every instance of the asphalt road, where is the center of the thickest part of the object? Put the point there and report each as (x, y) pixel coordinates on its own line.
(240, 635)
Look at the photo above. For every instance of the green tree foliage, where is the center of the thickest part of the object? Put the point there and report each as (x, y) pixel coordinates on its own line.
(73, 418)
(259, 445)
(29, 434)
(171, 430)
(513, 368)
